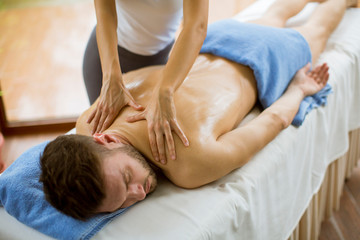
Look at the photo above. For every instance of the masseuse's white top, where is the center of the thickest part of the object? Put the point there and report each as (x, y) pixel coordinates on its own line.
(147, 26)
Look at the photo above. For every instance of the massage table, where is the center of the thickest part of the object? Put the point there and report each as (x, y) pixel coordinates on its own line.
(284, 192)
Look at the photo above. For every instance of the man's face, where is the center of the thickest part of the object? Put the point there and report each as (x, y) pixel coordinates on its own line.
(127, 181)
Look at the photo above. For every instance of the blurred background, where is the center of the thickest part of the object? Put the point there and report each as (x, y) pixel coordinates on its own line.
(41, 50)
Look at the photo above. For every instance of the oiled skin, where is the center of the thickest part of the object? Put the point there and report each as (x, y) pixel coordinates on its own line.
(218, 94)
(214, 98)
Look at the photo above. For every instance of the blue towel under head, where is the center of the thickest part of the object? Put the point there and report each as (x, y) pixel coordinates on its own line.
(22, 197)
(274, 54)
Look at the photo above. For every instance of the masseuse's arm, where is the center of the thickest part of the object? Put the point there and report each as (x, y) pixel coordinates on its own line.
(114, 96)
(160, 112)
(235, 148)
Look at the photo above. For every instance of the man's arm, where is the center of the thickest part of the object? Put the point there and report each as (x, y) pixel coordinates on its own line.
(246, 141)
(235, 148)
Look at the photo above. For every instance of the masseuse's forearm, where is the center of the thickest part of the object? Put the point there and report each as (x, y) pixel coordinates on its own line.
(187, 45)
(107, 38)
(185, 51)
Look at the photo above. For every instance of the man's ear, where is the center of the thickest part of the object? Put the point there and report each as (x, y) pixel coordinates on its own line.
(102, 138)
(98, 137)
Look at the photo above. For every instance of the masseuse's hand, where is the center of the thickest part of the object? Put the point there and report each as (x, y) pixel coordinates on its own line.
(161, 117)
(113, 97)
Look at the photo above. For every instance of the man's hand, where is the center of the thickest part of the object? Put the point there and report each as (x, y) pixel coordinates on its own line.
(311, 82)
(161, 117)
(113, 97)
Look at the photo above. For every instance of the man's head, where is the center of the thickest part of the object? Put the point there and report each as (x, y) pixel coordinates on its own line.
(84, 175)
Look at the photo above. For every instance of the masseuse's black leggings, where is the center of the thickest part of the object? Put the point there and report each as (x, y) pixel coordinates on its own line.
(128, 61)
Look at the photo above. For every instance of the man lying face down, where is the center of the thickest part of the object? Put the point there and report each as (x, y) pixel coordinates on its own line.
(79, 172)
(83, 174)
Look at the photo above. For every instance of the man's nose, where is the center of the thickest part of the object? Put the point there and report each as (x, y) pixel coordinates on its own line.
(137, 191)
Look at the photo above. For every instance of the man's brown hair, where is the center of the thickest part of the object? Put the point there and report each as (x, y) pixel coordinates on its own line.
(72, 175)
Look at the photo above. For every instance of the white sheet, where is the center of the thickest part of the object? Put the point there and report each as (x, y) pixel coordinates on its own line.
(266, 198)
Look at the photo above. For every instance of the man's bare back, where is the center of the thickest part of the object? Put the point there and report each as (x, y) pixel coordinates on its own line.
(212, 101)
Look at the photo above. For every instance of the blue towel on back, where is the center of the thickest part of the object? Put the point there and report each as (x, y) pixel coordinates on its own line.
(22, 196)
(274, 54)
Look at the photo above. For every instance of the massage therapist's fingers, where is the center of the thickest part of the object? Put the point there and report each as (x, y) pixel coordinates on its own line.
(132, 103)
(152, 141)
(136, 117)
(160, 144)
(101, 122)
(96, 121)
(180, 133)
(92, 115)
(107, 122)
(135, 106)
(169, 140)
